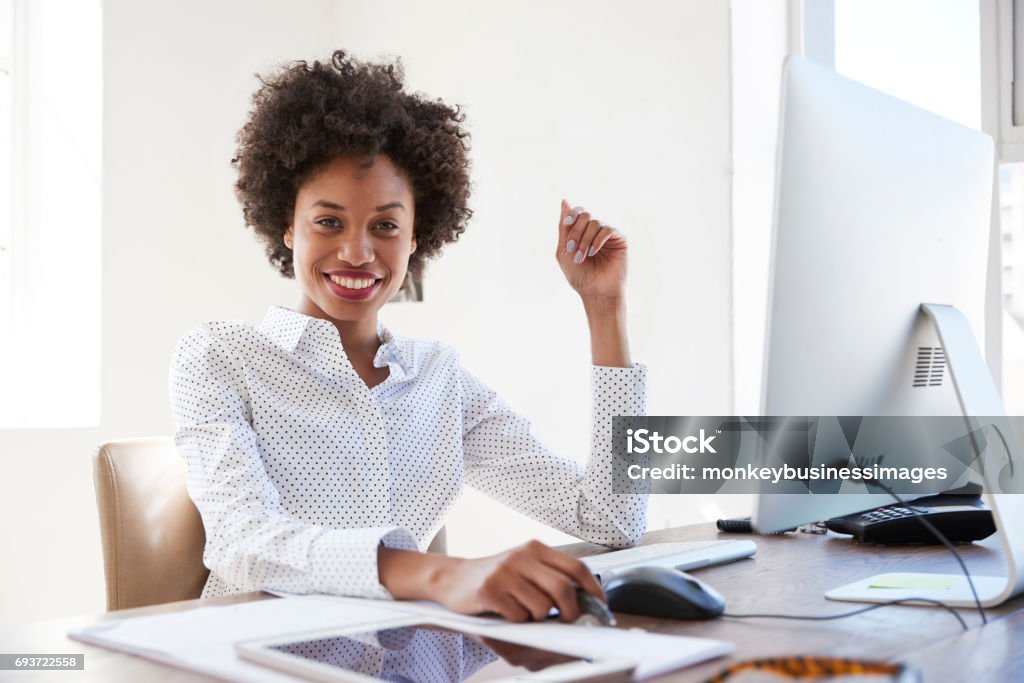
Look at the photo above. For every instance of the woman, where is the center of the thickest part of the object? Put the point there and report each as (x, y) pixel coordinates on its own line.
(323, 451)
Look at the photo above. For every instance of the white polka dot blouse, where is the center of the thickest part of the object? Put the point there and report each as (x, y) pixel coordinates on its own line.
(300, 471)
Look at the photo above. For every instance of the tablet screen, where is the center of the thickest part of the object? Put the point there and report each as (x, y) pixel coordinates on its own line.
(422, 652)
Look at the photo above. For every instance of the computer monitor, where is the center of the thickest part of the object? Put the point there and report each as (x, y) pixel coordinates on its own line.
(880, 207)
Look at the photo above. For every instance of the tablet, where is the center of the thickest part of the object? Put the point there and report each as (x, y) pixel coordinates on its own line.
(420, 649)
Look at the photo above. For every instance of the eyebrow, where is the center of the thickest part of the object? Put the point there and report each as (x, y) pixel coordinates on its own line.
(339, 207)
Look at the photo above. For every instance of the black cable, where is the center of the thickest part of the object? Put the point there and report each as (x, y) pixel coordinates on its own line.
(851, 614)
(935, 532)
(942, 539)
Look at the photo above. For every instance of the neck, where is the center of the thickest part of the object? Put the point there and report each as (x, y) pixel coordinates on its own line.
(358, 337)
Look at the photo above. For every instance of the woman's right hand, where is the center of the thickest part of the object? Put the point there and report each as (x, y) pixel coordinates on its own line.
(520, 584)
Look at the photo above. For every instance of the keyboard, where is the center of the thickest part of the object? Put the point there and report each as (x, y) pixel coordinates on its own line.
(685, 555)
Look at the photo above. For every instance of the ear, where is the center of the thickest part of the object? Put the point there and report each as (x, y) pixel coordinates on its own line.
(289, 236)
(412, 250)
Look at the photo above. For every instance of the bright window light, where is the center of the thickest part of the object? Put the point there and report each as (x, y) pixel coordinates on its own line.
(51, 100)
(928, 52)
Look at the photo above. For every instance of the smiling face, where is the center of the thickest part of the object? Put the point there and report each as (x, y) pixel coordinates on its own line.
(351, 237)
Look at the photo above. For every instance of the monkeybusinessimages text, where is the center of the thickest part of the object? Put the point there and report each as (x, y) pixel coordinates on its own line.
(645, 441)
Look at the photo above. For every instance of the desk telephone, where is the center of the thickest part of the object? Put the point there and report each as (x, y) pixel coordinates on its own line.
(960, 518)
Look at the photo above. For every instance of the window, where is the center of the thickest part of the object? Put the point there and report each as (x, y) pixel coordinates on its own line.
(1002, 31)
(929, 52)
(50, 105)
(7, 20)
(1011, 212)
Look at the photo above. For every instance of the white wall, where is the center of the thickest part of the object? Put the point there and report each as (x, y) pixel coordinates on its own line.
(758, 49)
(623, 108)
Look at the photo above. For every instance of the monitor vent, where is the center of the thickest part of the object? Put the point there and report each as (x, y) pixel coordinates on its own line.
(930, 367)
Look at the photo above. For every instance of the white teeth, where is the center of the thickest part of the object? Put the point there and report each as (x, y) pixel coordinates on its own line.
(349, 283)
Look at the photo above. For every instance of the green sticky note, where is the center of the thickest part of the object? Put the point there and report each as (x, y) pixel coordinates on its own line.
(913, 581)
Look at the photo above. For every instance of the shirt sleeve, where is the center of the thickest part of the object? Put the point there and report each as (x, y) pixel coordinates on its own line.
(252, 543)
(505, 459)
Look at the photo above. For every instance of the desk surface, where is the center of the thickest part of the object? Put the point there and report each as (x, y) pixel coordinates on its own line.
(789, 575)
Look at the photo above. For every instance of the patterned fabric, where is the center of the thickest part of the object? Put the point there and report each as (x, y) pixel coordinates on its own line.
(424, 654)
(300, 471)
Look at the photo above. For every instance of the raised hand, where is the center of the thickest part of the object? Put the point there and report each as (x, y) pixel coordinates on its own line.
(592, 255)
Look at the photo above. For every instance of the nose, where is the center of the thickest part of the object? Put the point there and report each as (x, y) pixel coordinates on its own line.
(355, 247)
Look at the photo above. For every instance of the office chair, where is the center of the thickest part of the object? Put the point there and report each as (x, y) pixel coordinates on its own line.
(152, 533)
(153, 536)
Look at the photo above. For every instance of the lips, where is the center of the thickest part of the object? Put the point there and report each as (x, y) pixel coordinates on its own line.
(353, 286)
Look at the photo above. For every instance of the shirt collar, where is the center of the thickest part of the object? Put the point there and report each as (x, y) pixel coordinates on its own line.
(398, 352)
(286, 328)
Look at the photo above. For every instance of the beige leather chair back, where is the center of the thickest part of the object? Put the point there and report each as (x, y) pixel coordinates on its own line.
(153, 536)
(152, 533)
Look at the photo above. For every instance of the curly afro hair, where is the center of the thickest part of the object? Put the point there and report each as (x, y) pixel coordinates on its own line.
(306, 114)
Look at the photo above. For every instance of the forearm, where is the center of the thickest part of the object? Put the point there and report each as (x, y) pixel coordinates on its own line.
(609, 343)
(410, 575)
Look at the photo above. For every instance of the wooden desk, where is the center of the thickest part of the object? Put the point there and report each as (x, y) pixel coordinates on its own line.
(789, 574)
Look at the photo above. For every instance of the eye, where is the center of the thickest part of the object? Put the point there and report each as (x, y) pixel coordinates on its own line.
(387, 225)
(328, 222)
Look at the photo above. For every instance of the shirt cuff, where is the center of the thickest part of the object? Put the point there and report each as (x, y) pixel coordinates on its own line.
(619, 391)
(346, 561)
(616, 368)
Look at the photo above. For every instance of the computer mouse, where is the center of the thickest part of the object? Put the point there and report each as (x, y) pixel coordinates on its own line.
(662, 592)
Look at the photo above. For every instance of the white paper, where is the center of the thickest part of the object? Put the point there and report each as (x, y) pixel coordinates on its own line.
(655, 653)
(422, 608)
(203, 639)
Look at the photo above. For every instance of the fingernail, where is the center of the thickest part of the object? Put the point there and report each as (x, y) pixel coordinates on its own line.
(570, 246)
(592, 250)
(578, 258)
(569, 219)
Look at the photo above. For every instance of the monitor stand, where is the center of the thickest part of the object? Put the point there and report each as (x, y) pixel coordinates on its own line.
(982, 409)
